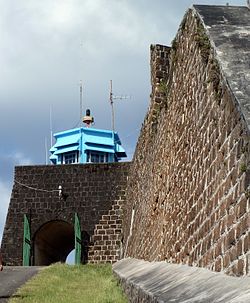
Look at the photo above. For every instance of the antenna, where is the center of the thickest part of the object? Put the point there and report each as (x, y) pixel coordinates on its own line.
(81, 86)
(80, 103)
(46, 151)
(50, 125)
(111, 99)
(112, 106)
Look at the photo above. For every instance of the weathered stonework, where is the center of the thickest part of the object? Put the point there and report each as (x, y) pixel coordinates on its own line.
(187, 196)
(108, 235)
(93, 191)
(188, 186)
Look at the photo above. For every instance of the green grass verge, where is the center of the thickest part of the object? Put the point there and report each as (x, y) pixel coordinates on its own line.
(61, 283)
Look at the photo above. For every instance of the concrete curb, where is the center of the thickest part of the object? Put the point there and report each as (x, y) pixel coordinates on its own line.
(159, 282)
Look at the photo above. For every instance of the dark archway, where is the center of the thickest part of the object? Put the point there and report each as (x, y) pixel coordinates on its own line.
(53, 242)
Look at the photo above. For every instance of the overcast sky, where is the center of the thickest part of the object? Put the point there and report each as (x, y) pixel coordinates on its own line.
(48, 46)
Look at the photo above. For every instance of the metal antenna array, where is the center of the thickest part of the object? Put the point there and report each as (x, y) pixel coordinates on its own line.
(111, 99)
(50, 126)
(80, 118)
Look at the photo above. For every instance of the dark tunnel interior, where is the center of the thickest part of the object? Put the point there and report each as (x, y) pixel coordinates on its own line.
(53, 242)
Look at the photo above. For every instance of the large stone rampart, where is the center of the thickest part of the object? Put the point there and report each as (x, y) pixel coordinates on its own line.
(187, 196)
(188, 190)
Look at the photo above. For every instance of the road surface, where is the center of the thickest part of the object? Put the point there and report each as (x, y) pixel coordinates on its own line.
(12, 277)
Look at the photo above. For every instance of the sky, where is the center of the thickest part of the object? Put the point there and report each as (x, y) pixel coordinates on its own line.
(48, 46)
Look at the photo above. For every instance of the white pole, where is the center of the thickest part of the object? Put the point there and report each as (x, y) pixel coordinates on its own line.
(80, 120)
(46, 151)
(50, 124)
(112, 106)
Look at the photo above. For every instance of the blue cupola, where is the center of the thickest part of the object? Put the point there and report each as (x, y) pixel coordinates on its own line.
(86, 145)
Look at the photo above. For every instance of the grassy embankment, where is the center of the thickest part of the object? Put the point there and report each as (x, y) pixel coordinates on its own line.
(60, 283)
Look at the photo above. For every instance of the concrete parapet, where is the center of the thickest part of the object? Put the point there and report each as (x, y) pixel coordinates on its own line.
(158, 282)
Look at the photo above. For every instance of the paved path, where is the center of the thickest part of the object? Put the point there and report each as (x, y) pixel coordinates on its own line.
(158, 282)
(12, 277)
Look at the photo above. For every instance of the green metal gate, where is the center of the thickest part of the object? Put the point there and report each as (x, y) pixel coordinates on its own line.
(26, 242)
(78, 240)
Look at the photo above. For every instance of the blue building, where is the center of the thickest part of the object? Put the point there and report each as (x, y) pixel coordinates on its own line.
(86, 145)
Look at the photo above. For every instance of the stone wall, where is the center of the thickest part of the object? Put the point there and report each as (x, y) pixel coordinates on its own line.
(188, 191)
(93, 191)
(107, 236)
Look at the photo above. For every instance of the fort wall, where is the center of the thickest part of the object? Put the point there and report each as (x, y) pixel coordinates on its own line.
(188, 189)
(184, 198)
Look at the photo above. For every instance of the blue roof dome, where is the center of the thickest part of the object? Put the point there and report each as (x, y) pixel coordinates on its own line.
(86, 145)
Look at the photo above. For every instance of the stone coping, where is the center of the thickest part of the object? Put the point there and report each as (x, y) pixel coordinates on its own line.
(160, 282)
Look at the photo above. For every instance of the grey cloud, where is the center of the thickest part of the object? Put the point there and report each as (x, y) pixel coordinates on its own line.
(42, 61)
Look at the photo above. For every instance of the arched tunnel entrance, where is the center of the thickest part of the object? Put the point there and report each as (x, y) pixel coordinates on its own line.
(53, 242)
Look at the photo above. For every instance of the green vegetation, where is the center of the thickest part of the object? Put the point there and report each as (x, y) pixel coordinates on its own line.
(61, 283)
(203, 42)
(243, 167)
(247, 193)
(174, 48)
(214, 77)
(163, 87)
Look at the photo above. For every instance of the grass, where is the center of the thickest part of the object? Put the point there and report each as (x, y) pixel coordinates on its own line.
(66, 283)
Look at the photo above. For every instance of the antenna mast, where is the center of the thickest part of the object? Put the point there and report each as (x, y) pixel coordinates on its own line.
(112, 98)
(112, 106)
(46, 151)
(50, 125)
(80, 103)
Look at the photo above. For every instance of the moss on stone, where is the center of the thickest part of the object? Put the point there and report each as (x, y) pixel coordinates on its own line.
(214, 78)
(174, 51)
(203, 42)
(163, 87)
(243, 167)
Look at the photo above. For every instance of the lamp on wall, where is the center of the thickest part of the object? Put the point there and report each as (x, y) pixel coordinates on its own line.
(61, 193)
